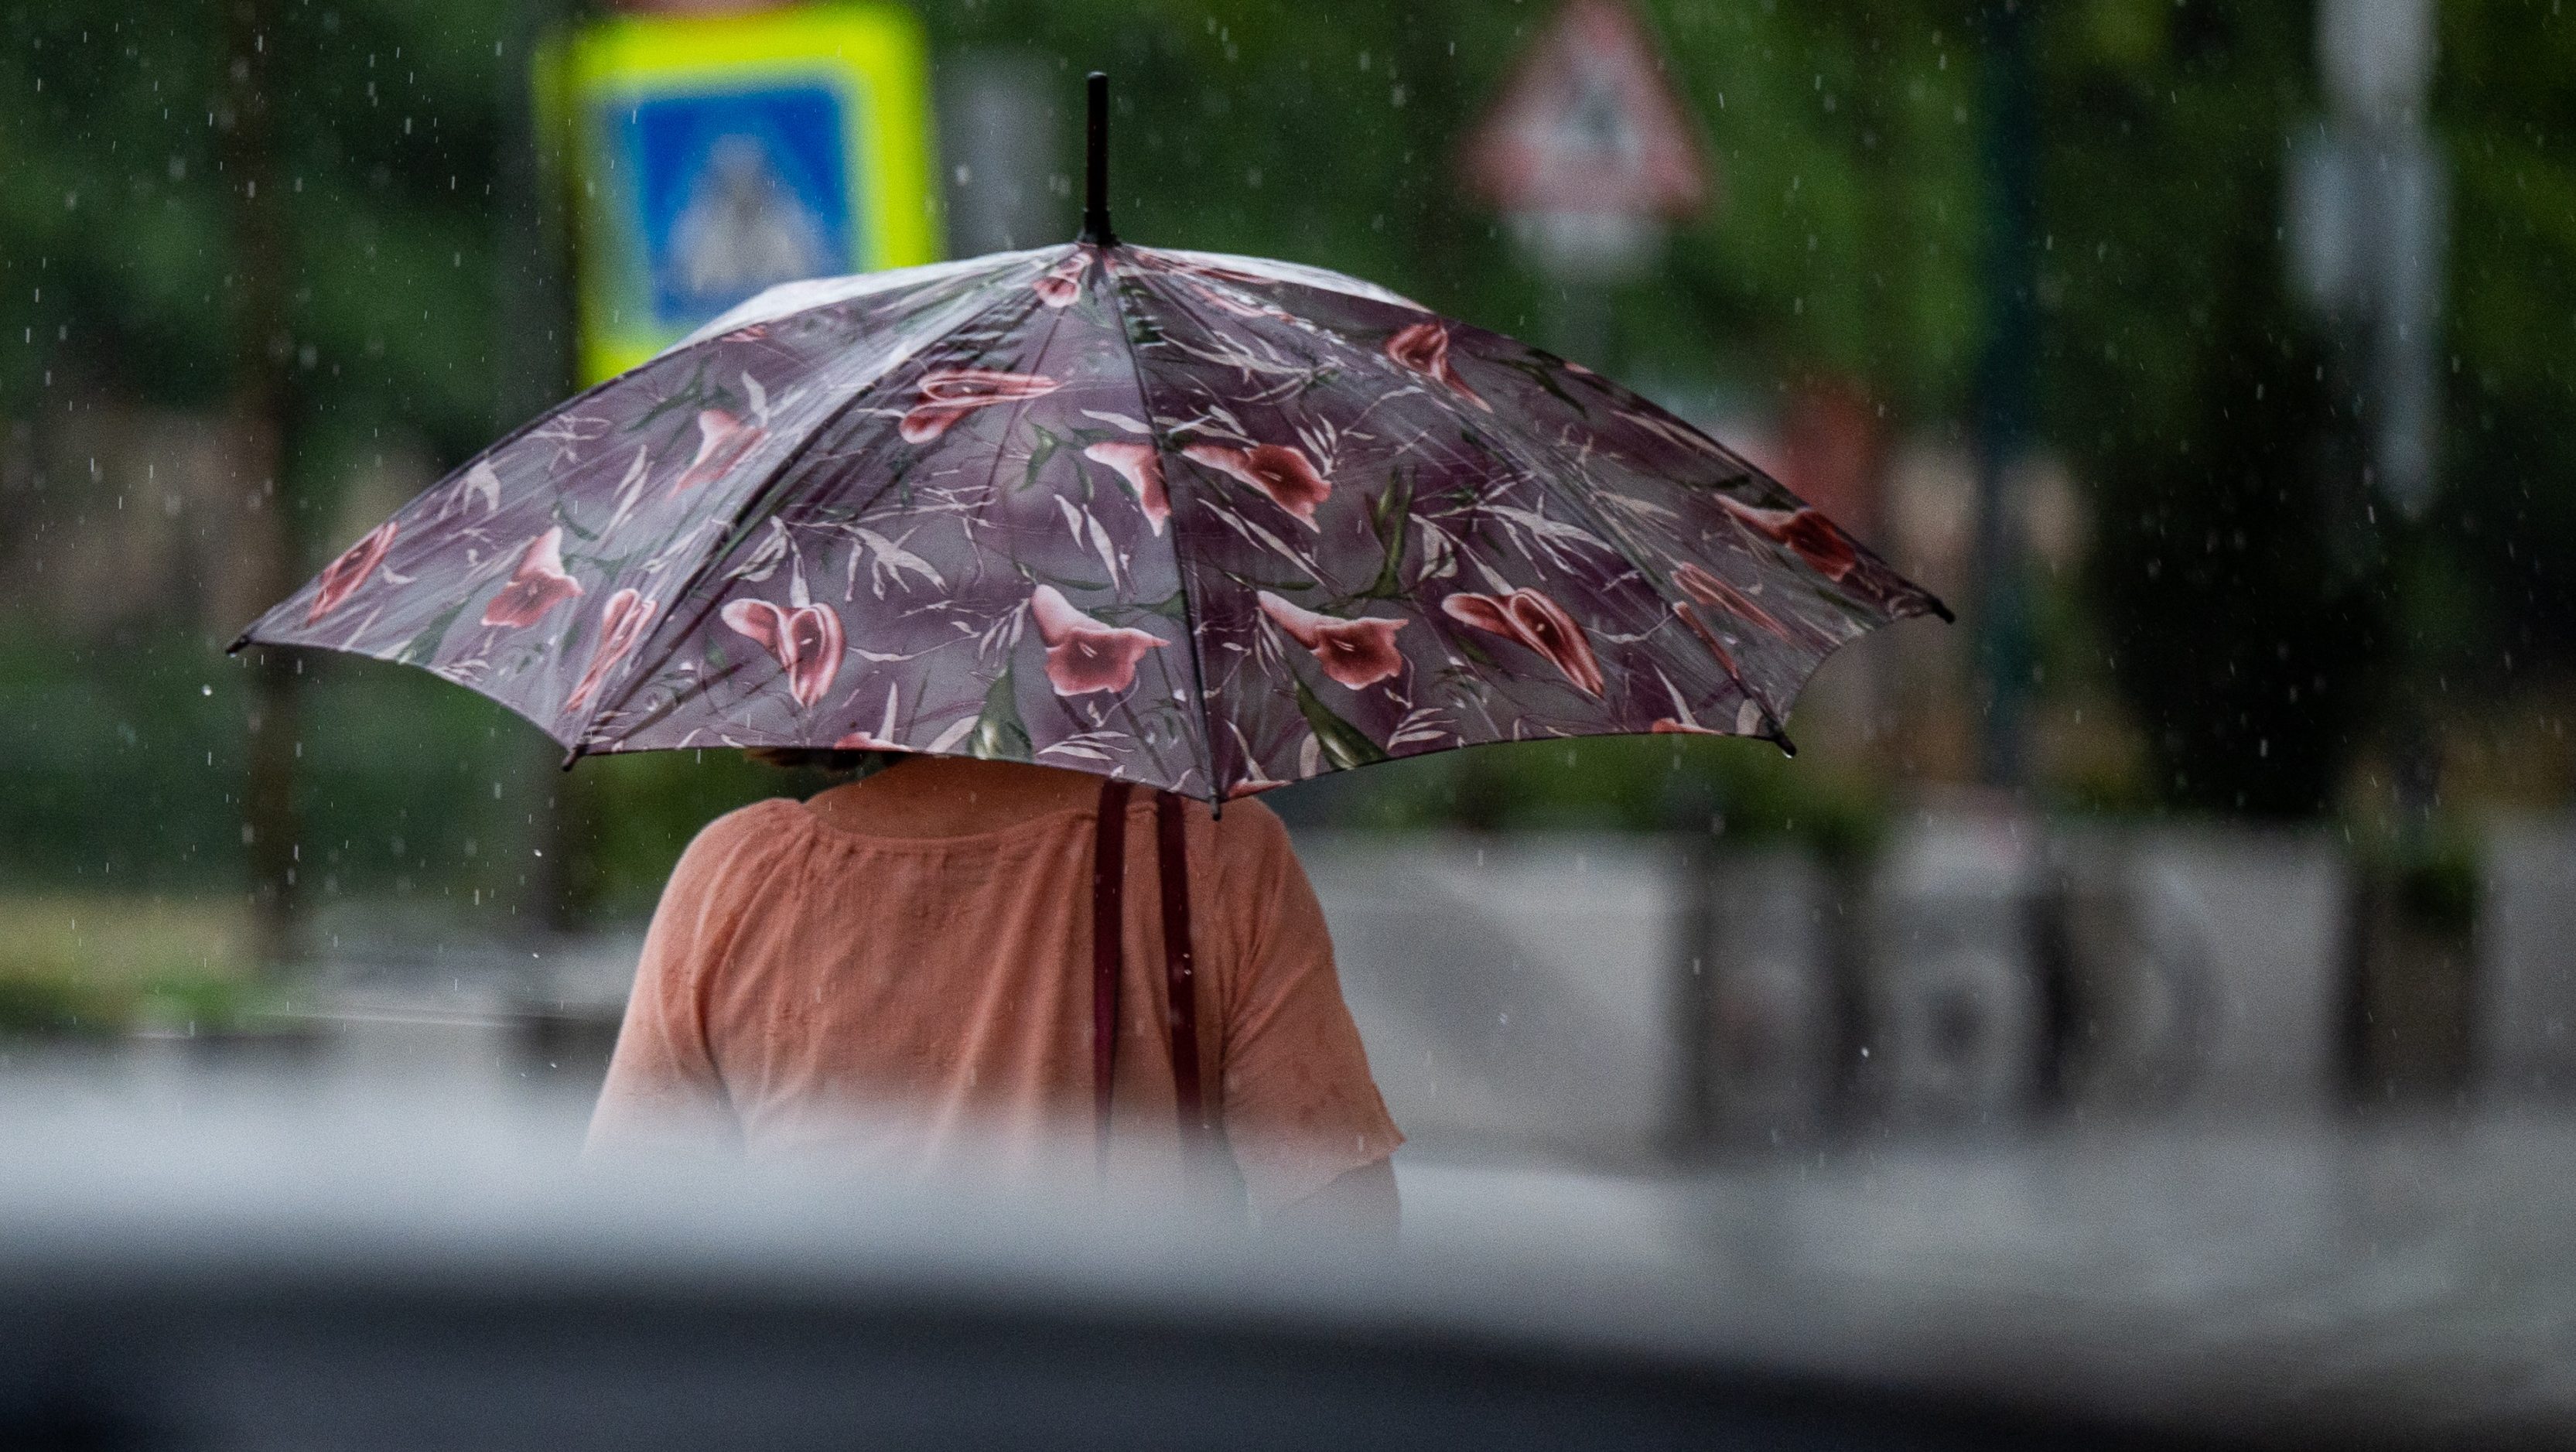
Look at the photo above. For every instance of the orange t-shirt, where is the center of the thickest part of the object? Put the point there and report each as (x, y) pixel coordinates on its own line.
(898, 975)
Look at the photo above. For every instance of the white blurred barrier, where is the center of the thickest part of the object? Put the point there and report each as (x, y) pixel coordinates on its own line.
(2208, 967)
(1610, 998)
(1607, 997)
(2526, 1022)
(1514, 991)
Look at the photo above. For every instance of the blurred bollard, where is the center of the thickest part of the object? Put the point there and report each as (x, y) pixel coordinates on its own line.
(2203, 967)
(1768, 1027)
(1952, 1014)
(2525, 1018)
(566, 1026)
(1515, 992)
(565, 1047)
(2410, 1004)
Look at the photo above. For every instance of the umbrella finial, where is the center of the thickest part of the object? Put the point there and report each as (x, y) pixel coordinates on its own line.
(1095, 204)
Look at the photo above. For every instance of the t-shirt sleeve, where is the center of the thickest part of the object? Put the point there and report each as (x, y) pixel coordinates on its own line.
(1300, 1106)
(662, 1079)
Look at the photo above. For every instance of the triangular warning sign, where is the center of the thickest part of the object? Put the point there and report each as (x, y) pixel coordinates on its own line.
(1589, 124)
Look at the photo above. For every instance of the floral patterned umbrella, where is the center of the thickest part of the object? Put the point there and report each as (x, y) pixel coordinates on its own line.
(1202, 522)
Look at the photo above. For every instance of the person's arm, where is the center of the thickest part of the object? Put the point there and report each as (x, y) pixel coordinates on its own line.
(1360, 1207)
(1302, 1113)
(662, 1082)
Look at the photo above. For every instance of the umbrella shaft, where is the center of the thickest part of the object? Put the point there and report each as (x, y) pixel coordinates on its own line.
(1095, 203)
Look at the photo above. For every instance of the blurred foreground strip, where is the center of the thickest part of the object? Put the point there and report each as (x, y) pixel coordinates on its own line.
(263, 1267)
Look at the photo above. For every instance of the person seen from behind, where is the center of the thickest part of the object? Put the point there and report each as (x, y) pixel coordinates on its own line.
(900, 974)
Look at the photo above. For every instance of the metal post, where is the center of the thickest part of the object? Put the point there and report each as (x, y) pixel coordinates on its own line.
(2003, 387)
(263, 388)
(534, 346)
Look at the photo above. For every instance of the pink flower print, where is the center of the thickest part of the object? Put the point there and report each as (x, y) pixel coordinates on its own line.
(345, 574)
(1707, 637)
(621, 629)
(1537, 622)
(1708, 589)
(805, 639)
(1826, 549)
(537, 586)
(1082, 654)
(1668, 726)
(1142, 467)
(1357, 653)
(722, 441)
(949, 394)
(1063, 282)
(1278, 471)
(1424, 348)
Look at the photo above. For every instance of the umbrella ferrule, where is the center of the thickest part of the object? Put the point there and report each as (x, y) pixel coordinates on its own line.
(1095, 195)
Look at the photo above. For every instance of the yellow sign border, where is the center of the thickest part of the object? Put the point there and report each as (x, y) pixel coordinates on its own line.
(876, 54)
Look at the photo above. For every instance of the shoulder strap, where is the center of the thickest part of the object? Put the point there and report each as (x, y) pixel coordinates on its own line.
(1180, 963)
(1180, 969)
(1108, 920)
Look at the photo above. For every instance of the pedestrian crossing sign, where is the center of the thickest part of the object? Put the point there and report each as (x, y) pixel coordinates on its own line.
(710, 156)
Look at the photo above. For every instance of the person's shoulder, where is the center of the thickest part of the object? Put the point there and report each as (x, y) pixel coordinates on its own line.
(766, 824)
(760, 819)
(1248, 831)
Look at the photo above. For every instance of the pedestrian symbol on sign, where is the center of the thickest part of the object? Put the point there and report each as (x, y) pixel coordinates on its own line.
(712, 156)
(739, 192)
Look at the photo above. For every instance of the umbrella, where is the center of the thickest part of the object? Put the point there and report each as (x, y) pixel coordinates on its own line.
(1203, 522)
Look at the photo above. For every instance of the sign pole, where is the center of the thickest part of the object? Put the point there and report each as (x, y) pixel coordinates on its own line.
(2002, 403)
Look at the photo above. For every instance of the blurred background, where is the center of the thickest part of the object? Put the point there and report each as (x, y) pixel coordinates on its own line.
(2210, 358)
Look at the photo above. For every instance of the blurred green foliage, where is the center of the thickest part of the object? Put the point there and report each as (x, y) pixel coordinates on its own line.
(78, 1002)
(2256, 648)
(57, 1007)
(1743, 791)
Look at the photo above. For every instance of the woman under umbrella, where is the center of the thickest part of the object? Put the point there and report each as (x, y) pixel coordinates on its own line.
(1204, 525)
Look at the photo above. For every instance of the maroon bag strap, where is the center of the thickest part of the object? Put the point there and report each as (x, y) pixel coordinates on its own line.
(1108, 932)
(1180, 970)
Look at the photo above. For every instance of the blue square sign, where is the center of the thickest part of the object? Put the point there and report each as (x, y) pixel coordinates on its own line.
(737, 191)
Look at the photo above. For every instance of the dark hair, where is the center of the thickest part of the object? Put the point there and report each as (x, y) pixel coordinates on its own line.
(828, 759)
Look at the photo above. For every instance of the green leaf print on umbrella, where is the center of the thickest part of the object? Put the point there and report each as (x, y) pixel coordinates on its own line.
(1000, 734)
(1343, 744)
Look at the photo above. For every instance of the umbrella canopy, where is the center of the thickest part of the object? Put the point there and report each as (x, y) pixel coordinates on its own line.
(1207, 523)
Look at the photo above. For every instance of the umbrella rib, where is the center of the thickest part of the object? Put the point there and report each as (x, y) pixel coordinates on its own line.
(753, 498)
(1180, 562)
(1627, 548)
(1612, 535)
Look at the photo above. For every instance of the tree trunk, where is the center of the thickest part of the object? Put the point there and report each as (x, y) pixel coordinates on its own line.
(262, 385)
